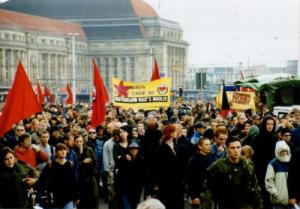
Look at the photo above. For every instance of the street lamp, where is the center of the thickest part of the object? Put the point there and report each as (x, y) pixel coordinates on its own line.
(73, 65)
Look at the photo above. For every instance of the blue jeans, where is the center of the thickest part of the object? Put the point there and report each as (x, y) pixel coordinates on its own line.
(125, 202)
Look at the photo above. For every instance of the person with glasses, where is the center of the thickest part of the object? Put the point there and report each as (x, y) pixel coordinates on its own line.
(11, 138)
(97, 146)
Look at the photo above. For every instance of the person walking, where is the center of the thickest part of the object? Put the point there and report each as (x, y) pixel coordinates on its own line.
(196, 170)
(167, 174)
(60, 180)
(277, 175)
(231, 181)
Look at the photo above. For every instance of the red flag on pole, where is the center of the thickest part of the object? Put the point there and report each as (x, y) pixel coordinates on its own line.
(155, 72)
(48, 94)
(101, 98)
(40, 94)
(20, 103)
(69, 100)
(225, 110)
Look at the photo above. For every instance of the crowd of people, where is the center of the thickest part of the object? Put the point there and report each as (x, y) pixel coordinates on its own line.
(56, 159)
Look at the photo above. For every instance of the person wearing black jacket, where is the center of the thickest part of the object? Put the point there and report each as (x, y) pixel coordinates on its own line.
(132, 177)
(170, 191)
(59, 178)
(263, 145)
(87, 175)
(293, 179)
(196, 170)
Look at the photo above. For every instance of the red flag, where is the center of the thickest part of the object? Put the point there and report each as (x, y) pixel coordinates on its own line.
(225, 104)
(47, 93)
(101, 98)
(40, 93)
(69, 100)
(155, 72)
(20, 103)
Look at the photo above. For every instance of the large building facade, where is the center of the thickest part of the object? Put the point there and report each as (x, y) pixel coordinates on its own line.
(123, 36)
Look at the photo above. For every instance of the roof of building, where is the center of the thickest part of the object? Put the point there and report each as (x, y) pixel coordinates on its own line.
(142, 9)
(70, 9)
(100, 19)
(39, 24)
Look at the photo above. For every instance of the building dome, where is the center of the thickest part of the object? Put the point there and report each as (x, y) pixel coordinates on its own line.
(78, 9)
(142, 9)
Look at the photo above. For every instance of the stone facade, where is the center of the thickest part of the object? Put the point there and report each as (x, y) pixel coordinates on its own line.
(47, 57)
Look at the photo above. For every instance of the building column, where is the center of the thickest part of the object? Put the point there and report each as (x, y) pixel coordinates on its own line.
(3, 67)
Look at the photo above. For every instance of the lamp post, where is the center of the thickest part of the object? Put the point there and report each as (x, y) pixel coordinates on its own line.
(73, 66)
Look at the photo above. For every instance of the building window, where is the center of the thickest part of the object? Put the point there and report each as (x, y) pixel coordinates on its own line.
(7, 36)
(132, 69)
(124, 68)
(115, 66)
(106, 71)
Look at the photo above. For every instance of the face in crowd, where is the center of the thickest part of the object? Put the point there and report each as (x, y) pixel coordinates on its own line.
(234, 150)
(270, 125)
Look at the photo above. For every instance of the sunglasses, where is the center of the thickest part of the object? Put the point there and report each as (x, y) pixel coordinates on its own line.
(20, 129)
(92, 132)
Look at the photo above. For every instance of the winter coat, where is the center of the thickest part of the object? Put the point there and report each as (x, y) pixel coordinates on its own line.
(167, 177)
(277, 175)
(196, 170)
(30, 156)
(263, 145)
(13, 190)
(232, 185)
(294, 173)
(61, 181)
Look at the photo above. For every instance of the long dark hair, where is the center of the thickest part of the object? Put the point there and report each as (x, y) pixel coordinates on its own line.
(4, 151)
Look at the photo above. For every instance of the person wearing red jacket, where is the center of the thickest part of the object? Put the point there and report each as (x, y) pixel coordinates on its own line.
(28, 153)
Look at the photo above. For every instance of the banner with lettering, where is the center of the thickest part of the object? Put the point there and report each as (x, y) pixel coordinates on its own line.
(148, 96)
(239, 101)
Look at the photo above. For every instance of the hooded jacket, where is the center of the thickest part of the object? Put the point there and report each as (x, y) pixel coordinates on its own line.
(263, 145)
(277, 174)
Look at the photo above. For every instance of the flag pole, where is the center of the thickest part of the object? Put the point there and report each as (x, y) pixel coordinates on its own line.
(48, 124)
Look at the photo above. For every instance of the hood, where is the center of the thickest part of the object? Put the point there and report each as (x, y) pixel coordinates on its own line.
(280, 146)
(263, 127)
(253, 130)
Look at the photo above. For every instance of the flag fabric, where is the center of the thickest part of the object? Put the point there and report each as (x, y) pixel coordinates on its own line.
(100, 98)
(225, 109)
(48, 94)
(41, 96)
(20, 103)
(155, 72)
(69, 100)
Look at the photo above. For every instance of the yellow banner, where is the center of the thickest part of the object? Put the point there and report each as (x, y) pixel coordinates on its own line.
(239, 101)
(148, 96)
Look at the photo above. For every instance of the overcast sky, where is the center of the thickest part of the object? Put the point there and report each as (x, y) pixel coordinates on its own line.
(226, 32)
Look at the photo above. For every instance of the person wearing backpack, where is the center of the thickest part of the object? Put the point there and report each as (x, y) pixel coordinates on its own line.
(59, 179)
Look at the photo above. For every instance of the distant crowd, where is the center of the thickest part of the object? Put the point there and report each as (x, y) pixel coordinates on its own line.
(56, 159)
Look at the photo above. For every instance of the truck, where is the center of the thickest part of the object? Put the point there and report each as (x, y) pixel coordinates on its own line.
(279, 93)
